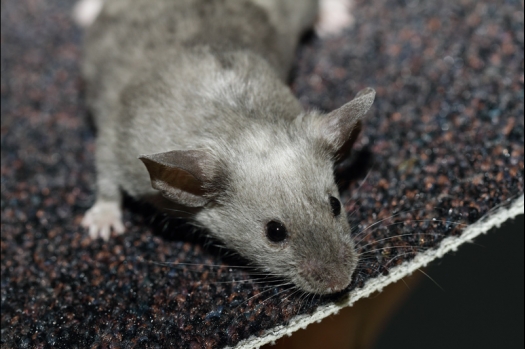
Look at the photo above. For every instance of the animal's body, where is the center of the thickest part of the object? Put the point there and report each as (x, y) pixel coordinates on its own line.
(197, 89)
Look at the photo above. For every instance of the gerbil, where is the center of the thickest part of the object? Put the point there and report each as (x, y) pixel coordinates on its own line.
(196, 90)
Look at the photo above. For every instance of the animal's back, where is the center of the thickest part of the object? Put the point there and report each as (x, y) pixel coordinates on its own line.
(128, 36)
(170, 74)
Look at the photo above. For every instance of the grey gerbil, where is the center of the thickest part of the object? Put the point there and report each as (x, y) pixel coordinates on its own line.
(196, 90)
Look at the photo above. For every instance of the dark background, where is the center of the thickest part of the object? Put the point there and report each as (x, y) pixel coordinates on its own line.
(481, 304)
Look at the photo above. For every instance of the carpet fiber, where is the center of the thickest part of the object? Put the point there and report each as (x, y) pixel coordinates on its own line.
(441, 148)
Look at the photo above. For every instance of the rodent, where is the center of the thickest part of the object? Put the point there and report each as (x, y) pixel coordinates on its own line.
(192, 109)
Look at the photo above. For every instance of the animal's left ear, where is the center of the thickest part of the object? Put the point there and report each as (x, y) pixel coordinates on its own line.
(341, 127)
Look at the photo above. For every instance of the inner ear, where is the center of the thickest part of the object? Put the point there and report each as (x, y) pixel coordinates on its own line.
(183, 176)
(346, 149)
(181, 187)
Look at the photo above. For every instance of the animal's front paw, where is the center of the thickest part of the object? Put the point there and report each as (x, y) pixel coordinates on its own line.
(334, 17)
(101, 218)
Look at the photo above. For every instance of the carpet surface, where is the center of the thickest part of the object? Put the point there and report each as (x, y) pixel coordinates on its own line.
(441, 149)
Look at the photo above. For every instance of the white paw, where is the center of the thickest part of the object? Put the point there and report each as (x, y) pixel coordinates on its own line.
(103, 216)
(334, 17)
(86, 11)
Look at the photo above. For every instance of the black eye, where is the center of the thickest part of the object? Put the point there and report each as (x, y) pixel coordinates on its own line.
(336, 206)
(276, 231)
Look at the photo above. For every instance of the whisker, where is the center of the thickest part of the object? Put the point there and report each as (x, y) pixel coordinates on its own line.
(389, 247)
(361, 184)
(408, 234)
(278, 293)
(397, 256)
(176, 264)
(312, 298)
(301, 302)
(267, 299)
(261, 293)
(252, 281)
(384, 219)
(434, 281)
(393, 237)
(174, 210)
(406, 221)
(403, 279)
(291, 294)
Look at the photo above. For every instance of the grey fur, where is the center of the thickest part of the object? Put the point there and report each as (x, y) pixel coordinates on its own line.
(199, 86)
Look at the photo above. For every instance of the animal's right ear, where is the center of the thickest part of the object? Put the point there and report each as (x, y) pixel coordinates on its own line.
(183, 176)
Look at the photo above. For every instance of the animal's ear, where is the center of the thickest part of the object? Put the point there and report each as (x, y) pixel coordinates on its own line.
(183, 176)
(342, 126)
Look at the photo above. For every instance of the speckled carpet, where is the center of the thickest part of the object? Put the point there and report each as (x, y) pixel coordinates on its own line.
(441, 148)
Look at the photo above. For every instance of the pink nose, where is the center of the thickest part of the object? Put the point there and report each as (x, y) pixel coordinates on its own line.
(324, 277)
(337, 284)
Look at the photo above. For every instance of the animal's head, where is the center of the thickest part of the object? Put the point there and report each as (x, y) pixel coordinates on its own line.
(269, 193)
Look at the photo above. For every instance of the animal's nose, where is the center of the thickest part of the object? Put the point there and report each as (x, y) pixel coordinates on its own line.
(336, 285)
(325, 277)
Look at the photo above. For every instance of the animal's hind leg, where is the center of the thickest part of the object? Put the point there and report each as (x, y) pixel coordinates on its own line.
(86, 11)
(334, 17)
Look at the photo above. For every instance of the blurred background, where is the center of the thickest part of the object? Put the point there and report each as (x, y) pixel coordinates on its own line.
(480, 305)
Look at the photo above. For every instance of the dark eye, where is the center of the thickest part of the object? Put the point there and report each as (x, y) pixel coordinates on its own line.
(276, 231)
(336, 206)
